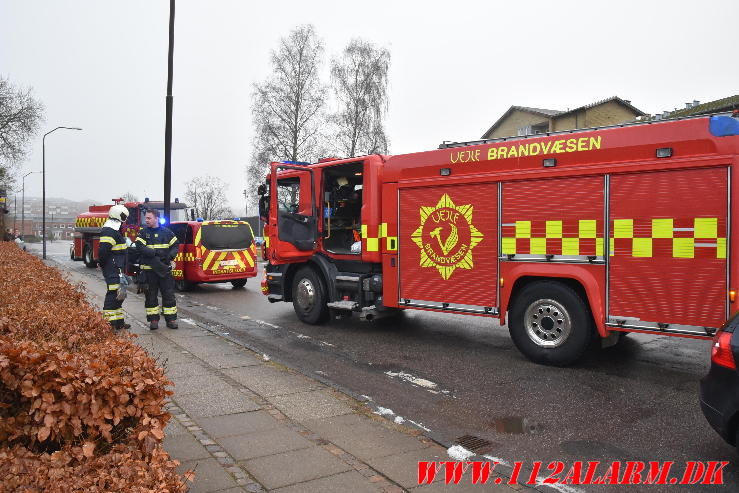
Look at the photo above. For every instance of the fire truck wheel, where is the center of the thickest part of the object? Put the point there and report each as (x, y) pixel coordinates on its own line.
(238, 283)
(87, 257)
(550, 323)
(182, 285)
(309, 297)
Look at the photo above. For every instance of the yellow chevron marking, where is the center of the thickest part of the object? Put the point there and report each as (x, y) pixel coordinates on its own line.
(208, 259)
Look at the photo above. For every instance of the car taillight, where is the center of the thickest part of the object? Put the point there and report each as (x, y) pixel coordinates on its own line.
(721, 351)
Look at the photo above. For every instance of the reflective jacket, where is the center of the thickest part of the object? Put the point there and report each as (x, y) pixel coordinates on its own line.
(111, 251)
(156, 248)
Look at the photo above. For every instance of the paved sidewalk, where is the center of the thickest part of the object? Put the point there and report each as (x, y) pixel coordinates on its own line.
(244, 423)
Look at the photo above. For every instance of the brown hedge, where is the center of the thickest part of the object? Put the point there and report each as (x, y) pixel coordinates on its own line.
(80, 407)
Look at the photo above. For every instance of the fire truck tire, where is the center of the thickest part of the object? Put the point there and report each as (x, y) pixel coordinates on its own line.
(87, 257)
(309, 297)
(238, 283)
(182, 285)
(550, 323)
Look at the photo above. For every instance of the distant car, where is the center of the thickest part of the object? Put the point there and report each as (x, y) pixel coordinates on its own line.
(21, 244)
(258, 240)
(719, 390)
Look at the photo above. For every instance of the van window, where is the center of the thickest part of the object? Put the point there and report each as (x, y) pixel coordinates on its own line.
(226, 236)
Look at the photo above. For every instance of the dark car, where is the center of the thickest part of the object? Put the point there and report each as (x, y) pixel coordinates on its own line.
(720, 388)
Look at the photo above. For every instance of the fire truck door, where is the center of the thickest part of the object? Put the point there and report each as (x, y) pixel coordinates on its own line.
(292, 212)
(448, 246)
(668, 245)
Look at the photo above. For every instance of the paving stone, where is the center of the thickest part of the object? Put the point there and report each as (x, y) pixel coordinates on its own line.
(191, 384)
(235, 360)
(237, 424)
(268, 381)
(184, 448)
(310, 405)
(369, 440)
(206, 404)
(464, 486)
(331, 426)
(212, 345)
(175, 370)
(338, 483)
(174, 429)
(235, 489)
(209, 476)
(403, 468)
(298, 466)
(263, 443)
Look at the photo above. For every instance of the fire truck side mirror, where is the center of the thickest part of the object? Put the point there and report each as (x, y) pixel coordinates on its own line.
(263, 207)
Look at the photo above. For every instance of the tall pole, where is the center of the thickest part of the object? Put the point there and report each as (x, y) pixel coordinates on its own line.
(23, 203)
(168, 124)
(43, 187)
(246, 205)
(15, 213)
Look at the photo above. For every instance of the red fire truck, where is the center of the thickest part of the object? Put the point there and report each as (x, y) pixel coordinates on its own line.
(210, 251)
(566, 236)
(87, 225)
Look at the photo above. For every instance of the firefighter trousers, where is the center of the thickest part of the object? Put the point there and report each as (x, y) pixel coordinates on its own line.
(112, 311)
(155, 284)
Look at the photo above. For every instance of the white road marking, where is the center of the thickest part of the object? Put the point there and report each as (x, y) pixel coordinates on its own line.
(459, 453)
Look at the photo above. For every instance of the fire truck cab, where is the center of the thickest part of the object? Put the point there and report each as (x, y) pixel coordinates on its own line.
(568, 236)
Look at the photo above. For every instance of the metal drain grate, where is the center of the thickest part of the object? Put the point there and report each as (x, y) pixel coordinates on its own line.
(475, 444)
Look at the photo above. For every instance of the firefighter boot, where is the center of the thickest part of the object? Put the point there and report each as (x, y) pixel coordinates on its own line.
(172, 324)
(153, 324)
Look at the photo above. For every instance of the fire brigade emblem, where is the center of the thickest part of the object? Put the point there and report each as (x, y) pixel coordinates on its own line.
(446, 236)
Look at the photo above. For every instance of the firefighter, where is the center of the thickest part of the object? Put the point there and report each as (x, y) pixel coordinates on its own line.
(112, 254)
(157, 247)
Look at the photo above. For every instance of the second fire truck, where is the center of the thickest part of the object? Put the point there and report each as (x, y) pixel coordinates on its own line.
(567, 236)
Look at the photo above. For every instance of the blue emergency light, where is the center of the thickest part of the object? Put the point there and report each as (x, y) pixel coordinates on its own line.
(162, 221)
(723, 126)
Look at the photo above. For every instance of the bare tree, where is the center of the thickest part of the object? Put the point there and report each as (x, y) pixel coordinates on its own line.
(20, 117)
(288, 107)
(359, 79)
(207, 195)
(129, 197)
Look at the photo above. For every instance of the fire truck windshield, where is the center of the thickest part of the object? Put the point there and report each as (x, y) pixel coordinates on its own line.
(175, 214)
(226, 236)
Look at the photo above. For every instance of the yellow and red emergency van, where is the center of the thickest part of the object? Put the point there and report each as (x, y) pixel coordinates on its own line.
(566, 236)
(213, 252)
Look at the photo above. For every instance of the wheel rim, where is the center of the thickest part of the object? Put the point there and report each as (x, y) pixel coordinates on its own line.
(305, 295)
(548, 323)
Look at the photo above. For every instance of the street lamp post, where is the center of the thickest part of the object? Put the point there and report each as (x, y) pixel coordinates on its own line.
(51, 229)
(246, 205)
(23, 204)
(43, 190)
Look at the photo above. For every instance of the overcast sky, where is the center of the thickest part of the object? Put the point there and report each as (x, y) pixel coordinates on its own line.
(456, 67)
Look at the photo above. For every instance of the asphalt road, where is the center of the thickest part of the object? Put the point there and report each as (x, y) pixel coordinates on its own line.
(460, 375)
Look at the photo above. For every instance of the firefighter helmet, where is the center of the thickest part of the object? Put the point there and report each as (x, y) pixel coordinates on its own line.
(118, 212)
